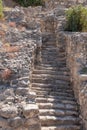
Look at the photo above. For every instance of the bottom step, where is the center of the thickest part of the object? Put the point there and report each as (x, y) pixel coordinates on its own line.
(69, 127)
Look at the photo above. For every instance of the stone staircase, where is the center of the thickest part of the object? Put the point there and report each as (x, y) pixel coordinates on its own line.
(55, 98)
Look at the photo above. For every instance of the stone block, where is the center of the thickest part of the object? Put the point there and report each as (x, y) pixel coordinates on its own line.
(32, 121)
(8, 111)
(30, 110)
(3, 122)
(15, 122)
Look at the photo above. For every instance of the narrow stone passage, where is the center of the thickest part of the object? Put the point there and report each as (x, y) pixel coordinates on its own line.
(55, 98)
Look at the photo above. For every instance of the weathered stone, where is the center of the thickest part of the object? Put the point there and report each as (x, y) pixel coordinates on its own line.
(76, 49)
(30, 110)
(8, 111)
(3, 122)
(32, 95)
(22, 91)
(31, 122)
(34, 127)
(15, 122)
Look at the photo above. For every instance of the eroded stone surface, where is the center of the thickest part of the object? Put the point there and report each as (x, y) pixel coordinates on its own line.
(17, 54)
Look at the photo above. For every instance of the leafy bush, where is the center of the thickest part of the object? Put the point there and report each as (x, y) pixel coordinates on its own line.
(76, 19)
(1, 9)
(27, 3)
(84, 70)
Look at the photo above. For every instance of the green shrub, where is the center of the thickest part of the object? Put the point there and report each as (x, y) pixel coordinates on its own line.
(1, 9)
(27, 3)
(76, 19)
(84, 70)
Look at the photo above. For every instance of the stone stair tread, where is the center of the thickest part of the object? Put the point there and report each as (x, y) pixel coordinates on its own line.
(57, 106)
(51, 53)
(50, 80)
(51, 68)
(40, 89)
(53, 72)
(54, 93)
(57, 112)
(53, 120)
(56, 97)
(52, 65)
(56, 85)
(57, 80)
(63, 77)
(57, 59)
(54, 100)
(53, 61)
(61, 127)
(52, 89)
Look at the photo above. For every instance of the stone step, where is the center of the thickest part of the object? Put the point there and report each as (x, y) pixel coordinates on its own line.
(54, 120)
(62, 127)
(53, 86)
(60, 65)
(51, 68)
(51, 72)
(47, 50)
(57, 97)
(55, 100)
(53, 93)
(54, 63)
(56, 52)
(59, 52)
(50, 80)
(48, 40)
(50, 52)
(53, 89)
(53, 49)
(57, 112)
(58, 58)
(50, 47)
(42, 76)
(52, 59)
(61, 106)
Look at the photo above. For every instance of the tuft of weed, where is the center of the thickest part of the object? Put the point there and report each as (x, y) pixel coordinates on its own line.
(76, 18)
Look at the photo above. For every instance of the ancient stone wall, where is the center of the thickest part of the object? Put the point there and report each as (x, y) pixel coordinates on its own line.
(63, 3)
(18, 44)
(76, 53)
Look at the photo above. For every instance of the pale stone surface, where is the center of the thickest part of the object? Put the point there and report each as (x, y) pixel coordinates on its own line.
(22, 38)
(30, 110)
(8, 111)
(25, 33)
(3, 122)
(76, 50)
(31, 122)
(15, 122)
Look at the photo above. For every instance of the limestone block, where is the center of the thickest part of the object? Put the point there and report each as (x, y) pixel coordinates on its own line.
(15, 122)
(34, 127)
(30, 110)
(32, 95)
(8, 111)
(3, 122)
(22, 91)
(31, 122)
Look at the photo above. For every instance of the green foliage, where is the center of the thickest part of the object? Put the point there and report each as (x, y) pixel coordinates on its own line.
(27, 3)
(84, 71)
(76, 19)
(1, 9)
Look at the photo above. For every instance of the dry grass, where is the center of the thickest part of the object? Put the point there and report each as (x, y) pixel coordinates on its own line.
(6, 74)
